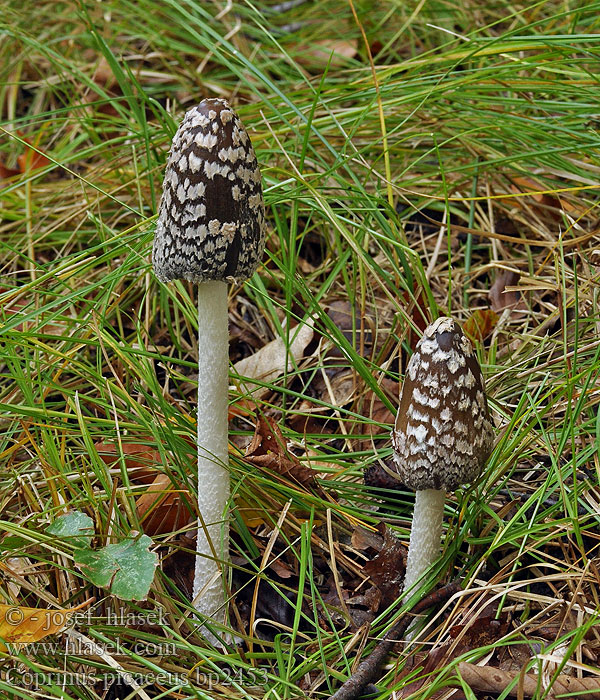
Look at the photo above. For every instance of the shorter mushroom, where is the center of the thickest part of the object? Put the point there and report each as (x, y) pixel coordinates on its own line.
(443, 434)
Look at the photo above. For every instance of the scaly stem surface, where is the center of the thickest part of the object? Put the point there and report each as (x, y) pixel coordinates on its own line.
(213, 473)
(425, 536)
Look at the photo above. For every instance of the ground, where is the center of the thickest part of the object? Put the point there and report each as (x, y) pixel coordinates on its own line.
(418, 159)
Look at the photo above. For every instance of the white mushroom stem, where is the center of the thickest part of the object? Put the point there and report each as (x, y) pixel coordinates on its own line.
(213, 474)
(425, 537)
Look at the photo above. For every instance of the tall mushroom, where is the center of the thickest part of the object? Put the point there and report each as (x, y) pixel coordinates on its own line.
(443, 434)
(211, 230)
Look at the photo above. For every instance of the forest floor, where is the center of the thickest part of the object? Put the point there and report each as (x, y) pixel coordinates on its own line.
(418, 159)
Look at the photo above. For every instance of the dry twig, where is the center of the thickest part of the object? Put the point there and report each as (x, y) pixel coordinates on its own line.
(367, 670)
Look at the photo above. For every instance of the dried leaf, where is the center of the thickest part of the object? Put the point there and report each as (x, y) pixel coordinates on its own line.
(356, 330)
(31, 159)
(136, 456)
(360, 606)
(274, 358)
(500, 297)
(300, 422)
(362, 539)
(370, 599)
(491, 680)
(386, 570)
(540, 196)
(514, 656)
(377, 411)
(340, 389)
(380, 478)
(163, 508)
(5, 172)
(268, 449)
(483, 631)
(20, 625)
(281, 569)
(335, 53)
(28, 161)
(480, 324)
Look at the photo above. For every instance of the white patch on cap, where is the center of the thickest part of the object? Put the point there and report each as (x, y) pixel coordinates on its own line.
(204, 139)
(420, 432)
(195, 162)
(211, 169)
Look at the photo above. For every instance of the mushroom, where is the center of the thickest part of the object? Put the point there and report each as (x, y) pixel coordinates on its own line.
(443, 434)
(211, 230)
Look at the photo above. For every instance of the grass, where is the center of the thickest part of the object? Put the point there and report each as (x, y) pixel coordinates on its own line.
(401, 181)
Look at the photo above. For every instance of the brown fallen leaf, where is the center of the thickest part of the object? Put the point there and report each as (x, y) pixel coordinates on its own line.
(500, 297)
(164, 507)
(281, 569)
(377, 411)
(136, 456)
(386, 569)
(268, 449)
(480, 632)
(480, 324)
(370, 599)
(363, 538)
(303, 422)
(356, 606)
(483, 631)
(380, 478)
(5, 172)
(369, 669)
(488, 679)
(540, 196)
(30, 160)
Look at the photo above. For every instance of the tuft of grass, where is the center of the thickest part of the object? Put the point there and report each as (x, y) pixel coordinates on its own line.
(411, 155)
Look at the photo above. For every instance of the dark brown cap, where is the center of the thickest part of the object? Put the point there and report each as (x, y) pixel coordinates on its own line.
(211, 221)
(443, 433)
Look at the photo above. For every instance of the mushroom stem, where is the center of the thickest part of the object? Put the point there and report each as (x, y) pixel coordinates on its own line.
(213, 475)
(425, 536)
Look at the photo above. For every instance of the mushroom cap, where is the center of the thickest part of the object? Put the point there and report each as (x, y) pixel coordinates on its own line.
(443, 433)
(211, 220)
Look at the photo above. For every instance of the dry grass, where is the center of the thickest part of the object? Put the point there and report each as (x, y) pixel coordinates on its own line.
(451, 167)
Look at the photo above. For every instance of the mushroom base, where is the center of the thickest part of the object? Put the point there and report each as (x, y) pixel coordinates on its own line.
(213, 475)
(425, 537)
